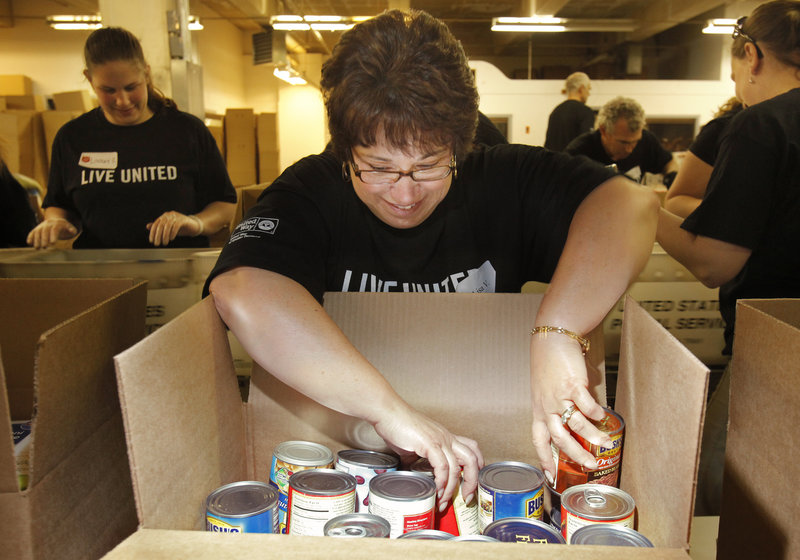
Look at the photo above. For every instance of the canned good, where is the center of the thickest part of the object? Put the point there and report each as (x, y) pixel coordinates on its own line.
(552, 506)
(610, 535)
(509, 489)
(315, 497)
(364, 465)
(357, 525)
(588, 504)
(290, 457)
(242, 507)
(405, 499)
(523, 530)
(427, 534)
(475, 538)
(459, 518)
(569, 473)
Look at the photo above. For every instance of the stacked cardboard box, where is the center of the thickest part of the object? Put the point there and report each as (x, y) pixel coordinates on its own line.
(57, 339)
(240, 146)
(461, 358)
(79, 100)
(15, 84)
(267, 142)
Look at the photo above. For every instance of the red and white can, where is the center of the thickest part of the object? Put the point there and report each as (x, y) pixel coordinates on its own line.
(588, 504)
(315, 497)
(405, 499)
(460, 518)
(364, 465)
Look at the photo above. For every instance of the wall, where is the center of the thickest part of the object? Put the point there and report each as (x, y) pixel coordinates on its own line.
(528, 103)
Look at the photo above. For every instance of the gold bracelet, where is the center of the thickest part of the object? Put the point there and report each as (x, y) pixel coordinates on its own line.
(584, 342)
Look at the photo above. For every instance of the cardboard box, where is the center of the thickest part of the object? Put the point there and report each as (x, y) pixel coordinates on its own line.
(246, 198)
(759, 500)
(267, 132)
(15, 84)
(462, 358)
(27, 150)
(57, 339)
(269, 166)
(240, 146)
(26, 102)
(217, 132)
(80, 100)
(52, 122)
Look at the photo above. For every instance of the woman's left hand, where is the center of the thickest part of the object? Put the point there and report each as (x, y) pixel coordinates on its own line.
(169, 225)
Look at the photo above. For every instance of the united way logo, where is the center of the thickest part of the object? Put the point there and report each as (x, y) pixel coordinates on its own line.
(259, 225)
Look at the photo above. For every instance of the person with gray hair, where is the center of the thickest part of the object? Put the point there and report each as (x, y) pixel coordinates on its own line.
(621, 139)
(571, 117)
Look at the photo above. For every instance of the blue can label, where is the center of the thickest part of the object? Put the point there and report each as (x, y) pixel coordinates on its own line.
(495, 505)
(259, 523)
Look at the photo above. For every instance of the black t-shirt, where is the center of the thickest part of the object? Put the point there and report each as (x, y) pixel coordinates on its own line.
(648, 155)
(569, 119)
(706, 145)
(503, 222)
(16, 215)
(119, 178)
(753, 200)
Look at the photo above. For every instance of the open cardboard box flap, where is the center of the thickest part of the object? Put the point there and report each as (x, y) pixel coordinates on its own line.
(759, 494)
(462, 358)
(58, 338)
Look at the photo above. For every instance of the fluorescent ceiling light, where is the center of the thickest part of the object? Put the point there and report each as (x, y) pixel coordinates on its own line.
(291, 22)
(550, 24)
(74, 22)
(194, 24)
(289, 75)
(720, 26)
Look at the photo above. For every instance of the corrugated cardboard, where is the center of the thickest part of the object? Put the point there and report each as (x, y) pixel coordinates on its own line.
(28, 144)
(246, 198)
(15, 84)
(57, 339)
(759, 494)
(27, 102)
(462, 358)
(53, 121)
(79, 100)
(240, 146)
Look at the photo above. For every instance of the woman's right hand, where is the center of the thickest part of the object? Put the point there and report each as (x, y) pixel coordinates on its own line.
(50, 231)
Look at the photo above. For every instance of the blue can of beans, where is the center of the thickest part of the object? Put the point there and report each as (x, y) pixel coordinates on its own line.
(242, 507)
(509, 489)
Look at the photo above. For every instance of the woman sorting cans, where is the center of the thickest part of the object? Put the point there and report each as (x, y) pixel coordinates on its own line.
(401, 202)
(135, 172)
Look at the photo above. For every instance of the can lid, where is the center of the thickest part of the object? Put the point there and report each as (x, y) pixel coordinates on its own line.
(356, 525)
(427, 534)
(422, 466)
(303, 453)
(611, 535)
(523, 530)
(242, 499)
(369, 459)
(511, 477)
(402, 486)
(322, 482)
(597, 501)
(476, 538)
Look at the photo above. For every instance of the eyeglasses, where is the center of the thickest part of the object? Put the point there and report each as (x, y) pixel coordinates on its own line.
(737, 32)
(381, 177)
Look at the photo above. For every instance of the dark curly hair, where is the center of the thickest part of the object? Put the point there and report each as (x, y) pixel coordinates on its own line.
(404, 75)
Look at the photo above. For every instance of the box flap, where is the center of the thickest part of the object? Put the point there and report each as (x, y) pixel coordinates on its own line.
(8, 475)
(40, 304)
(463, 359)
(175, 545)
(762, 453)
(661, 394)
(183, 417)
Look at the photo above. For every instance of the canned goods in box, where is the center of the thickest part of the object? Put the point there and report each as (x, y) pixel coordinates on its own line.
(315, 497)
(405, 499)
(523, 530)
(364, 465)
(426, 534)
(459, 518)
(588, 504)
(242, 507)
(475, 538)
(357, 525)
(509, 489)
(290, 457)
(609, 460)
(610, 535)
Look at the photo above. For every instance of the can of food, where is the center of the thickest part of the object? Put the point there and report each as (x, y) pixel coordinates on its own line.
(609, 459)
(610, 535)
(242, 507)
(426, 534)
(459, 518)
(475, 538)
(523, 530)
(315, 497)
(290, 457)
(552, 506)
(405, 499)
(357, 525)
(509, 489)
(364, 465)
(588, 504)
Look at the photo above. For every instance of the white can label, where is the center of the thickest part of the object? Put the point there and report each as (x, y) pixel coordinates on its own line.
(307, 514)
(404, 516)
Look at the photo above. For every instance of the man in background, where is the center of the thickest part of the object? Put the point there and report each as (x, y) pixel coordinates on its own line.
(622, 140)
(571, 117)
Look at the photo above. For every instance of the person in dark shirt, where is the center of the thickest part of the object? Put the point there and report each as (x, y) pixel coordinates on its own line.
(622, 140)
(571, 117)
(17, 217)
